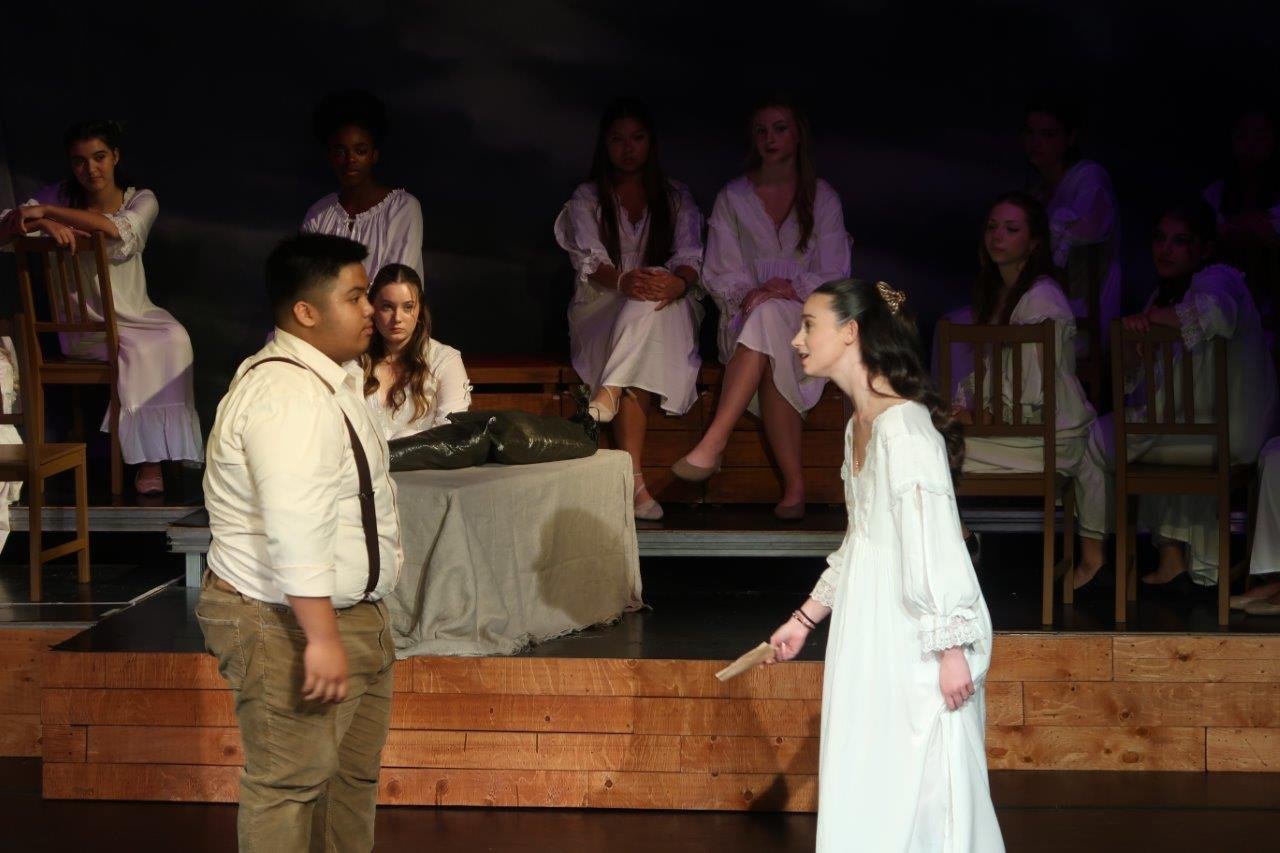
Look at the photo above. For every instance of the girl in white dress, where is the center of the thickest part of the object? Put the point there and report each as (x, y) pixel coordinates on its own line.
(903, 762)
(1016, 286)
(158, 419)
(774, 236)
(634, 238)
(351, 126)
(1203, 301)
(411, 382)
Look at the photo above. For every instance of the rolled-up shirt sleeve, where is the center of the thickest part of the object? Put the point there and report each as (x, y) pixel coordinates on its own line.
(294, 460)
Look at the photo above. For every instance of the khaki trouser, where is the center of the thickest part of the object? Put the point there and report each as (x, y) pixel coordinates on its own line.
(310, 780)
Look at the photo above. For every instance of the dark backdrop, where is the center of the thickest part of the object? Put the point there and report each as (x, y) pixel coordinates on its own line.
(916, 109)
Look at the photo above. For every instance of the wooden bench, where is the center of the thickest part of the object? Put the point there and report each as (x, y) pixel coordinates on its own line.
(545, 387)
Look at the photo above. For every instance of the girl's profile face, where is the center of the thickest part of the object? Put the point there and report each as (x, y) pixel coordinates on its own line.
(1007, 237)
(352, 155)
(1046, 140)
(1177, 252)
(627, 142)
(773, 130)
(822, 341)
(93, 163)
(395, 311)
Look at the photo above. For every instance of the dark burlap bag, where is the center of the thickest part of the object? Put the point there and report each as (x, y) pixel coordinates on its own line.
(447, 446)
(520, 438)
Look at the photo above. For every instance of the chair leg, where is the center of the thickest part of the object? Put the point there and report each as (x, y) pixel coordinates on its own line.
(1224, 553)
(35, 544)
(1069, 546)
(1046, 586)
(82, 522)
(1122, 551)
(1132, 574)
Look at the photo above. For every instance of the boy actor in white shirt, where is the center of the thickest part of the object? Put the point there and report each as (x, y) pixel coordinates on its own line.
(306, 545)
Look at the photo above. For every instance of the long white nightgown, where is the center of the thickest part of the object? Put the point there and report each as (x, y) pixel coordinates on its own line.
(448, 389)
(622, 342)
(158, 418)
(744, 250)
(9, 392)
(1076, 452)
(1217, 304)
(391, 230)
(897, 770)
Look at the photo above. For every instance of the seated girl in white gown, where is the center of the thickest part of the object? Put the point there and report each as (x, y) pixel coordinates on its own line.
(411, 382)
(1016, 286)
(351, 126)
(634, 238)
(902, 761)
(1204, 301)
(775, 234)
(158, 419)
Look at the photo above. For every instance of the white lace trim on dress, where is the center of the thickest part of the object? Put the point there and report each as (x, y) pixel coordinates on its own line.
(958, 631)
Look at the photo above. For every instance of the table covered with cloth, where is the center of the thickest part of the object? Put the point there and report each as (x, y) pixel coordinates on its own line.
(499, 557)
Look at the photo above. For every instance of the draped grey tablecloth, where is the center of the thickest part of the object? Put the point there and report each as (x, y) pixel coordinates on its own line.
(499, 557)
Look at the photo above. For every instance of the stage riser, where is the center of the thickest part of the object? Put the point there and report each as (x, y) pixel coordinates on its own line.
(21, 652)
(660, 733)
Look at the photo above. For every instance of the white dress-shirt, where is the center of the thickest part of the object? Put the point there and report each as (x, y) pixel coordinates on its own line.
(281, 485)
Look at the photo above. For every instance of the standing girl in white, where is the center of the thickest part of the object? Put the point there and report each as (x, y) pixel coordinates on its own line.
(412, 382)
(775, 235)
(903, 762)
(158, 419)
(634, 238)
(388, 222)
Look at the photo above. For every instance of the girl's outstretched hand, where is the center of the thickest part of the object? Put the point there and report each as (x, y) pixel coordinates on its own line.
(954, 678)
(788, 640)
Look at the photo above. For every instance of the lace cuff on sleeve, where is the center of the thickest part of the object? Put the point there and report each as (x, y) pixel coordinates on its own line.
(1194, 318)
(824, 592)
(127, 245)
(939, 633)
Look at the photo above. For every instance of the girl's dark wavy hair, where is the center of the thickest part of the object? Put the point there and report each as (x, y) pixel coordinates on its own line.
(657, 191)
(890, 347)
(111, 133)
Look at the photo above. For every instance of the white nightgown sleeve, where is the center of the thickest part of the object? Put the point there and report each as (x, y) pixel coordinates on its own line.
(404, 235)
(134, 222)
(724, 271)
(1211, 305)
(832, 255)
(1088, 217)
(939, 587)
(578, 233)
(686, 242)
(453, 388)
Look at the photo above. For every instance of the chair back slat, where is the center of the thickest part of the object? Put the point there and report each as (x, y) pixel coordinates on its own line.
(1188, 389)
(980, 383)
(1167, 350)
(1016, 378)
(989, 344)
(1162, 346)
(1147, 349)
(67, 286)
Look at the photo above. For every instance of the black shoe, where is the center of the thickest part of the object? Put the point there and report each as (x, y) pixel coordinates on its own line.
(973, 542)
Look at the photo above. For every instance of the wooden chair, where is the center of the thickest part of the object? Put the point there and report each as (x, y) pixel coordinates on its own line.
(1218, 478)
(67, 291)
(1045, 484)
(34, 461)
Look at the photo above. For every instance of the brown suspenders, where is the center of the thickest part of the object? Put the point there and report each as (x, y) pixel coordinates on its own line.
(368, 515)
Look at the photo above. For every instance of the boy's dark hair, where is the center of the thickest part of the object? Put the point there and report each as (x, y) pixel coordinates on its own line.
(302, 264)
